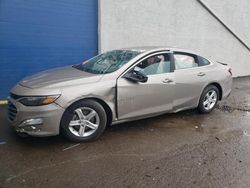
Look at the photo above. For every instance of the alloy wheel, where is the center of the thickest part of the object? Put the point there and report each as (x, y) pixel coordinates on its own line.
(85, 122)
(210, 99)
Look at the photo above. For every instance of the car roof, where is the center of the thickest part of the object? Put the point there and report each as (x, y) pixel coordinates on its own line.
(145, 49)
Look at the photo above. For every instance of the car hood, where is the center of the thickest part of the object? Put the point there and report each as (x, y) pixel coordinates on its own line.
(59, 77)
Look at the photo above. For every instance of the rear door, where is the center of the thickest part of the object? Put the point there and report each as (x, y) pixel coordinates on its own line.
(156, 95)
(190, 78)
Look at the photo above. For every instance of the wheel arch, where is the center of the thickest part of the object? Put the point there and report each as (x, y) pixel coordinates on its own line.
(216, 84)
(106, 107)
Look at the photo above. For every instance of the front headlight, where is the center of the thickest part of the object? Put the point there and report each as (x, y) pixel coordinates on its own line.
(38, 101)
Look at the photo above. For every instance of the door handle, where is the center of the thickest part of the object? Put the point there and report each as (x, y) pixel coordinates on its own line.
(201, 74)
(167, 80)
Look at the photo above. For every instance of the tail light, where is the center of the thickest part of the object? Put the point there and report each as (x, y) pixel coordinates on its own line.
(230, 71)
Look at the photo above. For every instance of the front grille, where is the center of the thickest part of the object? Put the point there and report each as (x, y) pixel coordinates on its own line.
(12, 111)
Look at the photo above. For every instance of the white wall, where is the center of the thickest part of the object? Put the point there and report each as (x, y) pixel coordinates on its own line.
(179, 23)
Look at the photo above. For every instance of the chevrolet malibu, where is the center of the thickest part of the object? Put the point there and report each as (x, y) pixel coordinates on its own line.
(79, 101)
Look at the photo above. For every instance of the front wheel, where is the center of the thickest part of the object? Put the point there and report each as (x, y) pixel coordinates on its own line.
(209, 99)
(84, 121)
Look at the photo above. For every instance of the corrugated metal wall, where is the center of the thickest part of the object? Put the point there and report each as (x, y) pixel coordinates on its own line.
(41, 34)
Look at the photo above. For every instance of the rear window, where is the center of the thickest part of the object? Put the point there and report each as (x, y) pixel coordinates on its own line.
(184, 61)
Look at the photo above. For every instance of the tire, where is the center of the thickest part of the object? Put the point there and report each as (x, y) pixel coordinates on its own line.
(84, 121)
(22, 135)
(207, 103)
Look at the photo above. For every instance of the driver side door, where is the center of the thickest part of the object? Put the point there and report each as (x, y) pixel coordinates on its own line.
(135, 99)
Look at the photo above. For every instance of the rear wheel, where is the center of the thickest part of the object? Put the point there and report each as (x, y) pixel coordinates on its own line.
(209, 99)
(84, 121)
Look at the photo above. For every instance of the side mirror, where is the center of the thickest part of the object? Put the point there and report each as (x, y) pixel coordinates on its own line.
(136, 76)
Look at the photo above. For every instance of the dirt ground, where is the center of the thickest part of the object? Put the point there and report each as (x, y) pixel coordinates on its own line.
(173, 150)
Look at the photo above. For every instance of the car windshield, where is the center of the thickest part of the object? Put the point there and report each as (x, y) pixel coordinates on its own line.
(107, 62)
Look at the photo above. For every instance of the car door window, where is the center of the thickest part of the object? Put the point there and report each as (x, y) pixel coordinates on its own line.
(157, 64)
(203, 61)
(183, 61)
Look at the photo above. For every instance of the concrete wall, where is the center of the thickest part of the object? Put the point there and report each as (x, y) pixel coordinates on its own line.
(180, 23)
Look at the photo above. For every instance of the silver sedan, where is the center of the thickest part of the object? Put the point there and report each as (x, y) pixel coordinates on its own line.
(79, 101)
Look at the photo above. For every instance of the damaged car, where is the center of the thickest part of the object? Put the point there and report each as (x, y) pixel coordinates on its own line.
(79, 101)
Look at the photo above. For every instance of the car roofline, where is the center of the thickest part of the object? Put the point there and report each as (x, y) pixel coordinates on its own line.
(150, 49)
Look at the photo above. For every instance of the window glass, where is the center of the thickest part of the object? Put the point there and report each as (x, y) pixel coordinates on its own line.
(107, 62)
(183, 61)
(203, 61)
(157, 64)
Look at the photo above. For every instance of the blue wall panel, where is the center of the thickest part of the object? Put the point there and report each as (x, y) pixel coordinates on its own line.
(39, 34)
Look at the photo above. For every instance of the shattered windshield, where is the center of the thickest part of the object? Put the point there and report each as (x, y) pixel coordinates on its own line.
(107, 62)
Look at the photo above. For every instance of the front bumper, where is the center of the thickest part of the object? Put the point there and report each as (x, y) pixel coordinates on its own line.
(42, 120)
